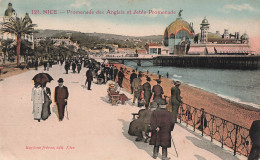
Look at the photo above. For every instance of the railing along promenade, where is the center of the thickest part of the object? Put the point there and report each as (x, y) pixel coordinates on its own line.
(225, 132)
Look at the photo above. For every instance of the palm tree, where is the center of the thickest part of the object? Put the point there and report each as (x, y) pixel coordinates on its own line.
(19, 27)
(6, 46)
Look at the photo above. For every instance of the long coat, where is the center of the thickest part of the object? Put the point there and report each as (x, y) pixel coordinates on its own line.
(37, 97)
(89, 75)
(147, 92)
(175, 101)
(137, 87)
(61, 93)
(163, 119)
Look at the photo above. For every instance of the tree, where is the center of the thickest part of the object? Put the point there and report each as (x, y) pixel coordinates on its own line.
(19, 27)
(6, 46)
(26, 49)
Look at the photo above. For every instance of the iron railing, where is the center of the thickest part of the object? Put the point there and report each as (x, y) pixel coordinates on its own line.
(227, 133)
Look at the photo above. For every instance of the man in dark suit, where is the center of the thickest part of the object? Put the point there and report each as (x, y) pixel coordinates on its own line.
(115, 73)
(147, 92)
(132, 77)
(175, 99)
(61, 98)
(89, 78)
(120, 77)
(161, 127)
(254, 134)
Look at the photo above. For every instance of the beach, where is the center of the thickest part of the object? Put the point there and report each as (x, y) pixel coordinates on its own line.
(239, 114)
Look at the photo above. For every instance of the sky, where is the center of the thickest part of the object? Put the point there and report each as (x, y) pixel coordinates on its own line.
(235, 15)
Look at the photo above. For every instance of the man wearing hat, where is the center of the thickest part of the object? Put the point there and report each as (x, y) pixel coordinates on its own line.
(147, 92)
(137, 88)
(132, 77)
(61, 98)
(161, 127)
(175, 99)
(121, 77)
(89, 77)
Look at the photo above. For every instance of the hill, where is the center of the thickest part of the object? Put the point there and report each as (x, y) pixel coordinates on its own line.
(91, 40)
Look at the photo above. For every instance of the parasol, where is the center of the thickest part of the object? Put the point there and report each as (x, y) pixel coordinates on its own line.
(42, 78)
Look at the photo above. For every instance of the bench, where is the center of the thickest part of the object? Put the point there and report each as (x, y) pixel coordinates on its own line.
(134, 114)
(113, 98)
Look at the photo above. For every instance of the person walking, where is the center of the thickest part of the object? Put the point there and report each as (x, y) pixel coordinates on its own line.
(37, 97)
(175, 99)
(161, 127)
(67, 67)
(116, 72)
(132, 77)
(46, 111)
(167, 75)
(137, 88)
(79, 67)
(157, 92)
(147, 92)
(74, 67)
(120, 77)
(61, 98)
(89, 77)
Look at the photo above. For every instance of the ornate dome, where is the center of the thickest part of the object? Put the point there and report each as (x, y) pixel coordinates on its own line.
(178, 25)
(205, 21)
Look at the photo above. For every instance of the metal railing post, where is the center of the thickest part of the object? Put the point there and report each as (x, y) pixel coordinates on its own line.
(202, 121)
(235, 148)
(213, 118)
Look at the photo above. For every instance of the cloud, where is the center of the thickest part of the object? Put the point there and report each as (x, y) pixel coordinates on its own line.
(237, 7)
(81, 3)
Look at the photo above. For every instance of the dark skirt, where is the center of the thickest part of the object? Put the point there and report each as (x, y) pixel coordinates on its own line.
(46, 111)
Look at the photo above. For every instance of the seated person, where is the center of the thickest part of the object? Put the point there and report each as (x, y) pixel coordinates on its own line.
(113, 89)
(141, 127)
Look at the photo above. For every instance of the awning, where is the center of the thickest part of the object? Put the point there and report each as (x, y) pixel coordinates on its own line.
(196, 50)
(232, 50)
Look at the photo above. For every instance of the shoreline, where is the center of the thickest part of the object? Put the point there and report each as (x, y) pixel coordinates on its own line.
(212, 103)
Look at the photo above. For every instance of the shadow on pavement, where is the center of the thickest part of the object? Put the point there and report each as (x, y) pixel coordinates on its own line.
(140, 145)
(199, 157)
(54, 110)
(205, 144)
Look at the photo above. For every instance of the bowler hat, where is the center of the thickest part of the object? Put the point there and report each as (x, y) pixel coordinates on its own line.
(60, 80)
(176, 83)
(158, 80)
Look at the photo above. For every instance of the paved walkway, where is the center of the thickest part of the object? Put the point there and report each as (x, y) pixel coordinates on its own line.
(95, 129)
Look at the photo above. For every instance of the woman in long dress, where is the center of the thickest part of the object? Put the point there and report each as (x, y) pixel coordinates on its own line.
(46, 111)
(37, 97)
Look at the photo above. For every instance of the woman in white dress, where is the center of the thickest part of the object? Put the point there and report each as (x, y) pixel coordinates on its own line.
(38, 99)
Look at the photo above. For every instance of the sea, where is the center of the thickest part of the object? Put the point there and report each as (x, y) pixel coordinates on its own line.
(241, 86)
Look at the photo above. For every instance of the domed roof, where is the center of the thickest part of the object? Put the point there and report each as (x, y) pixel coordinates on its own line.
(178, 25)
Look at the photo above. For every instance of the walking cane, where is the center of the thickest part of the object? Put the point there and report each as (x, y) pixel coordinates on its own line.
(174, 147)
(67, 112)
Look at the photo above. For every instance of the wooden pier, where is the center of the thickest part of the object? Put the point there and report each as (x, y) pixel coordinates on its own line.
(198, 61)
